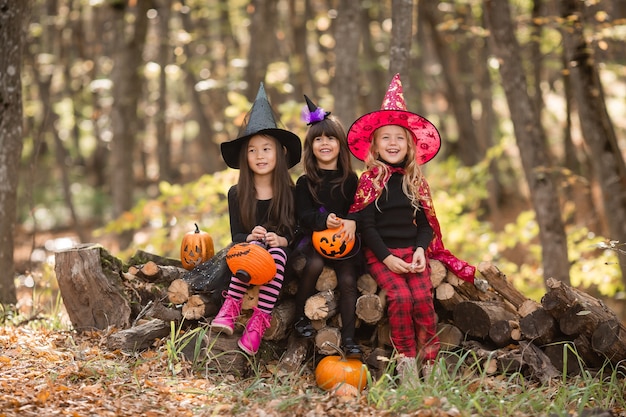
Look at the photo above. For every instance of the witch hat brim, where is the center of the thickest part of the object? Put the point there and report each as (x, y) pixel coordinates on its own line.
(393, 112)
(261, 121)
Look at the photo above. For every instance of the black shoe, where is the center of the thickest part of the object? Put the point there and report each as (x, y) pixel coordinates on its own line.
(351, 349)
(304, 328)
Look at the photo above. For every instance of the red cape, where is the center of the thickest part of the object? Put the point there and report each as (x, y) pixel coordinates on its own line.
(366, 194)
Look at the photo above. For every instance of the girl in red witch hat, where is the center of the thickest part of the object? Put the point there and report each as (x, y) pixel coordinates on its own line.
(398, 225)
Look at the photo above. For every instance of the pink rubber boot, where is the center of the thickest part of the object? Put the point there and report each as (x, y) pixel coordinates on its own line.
(225, 319)
(255, 329)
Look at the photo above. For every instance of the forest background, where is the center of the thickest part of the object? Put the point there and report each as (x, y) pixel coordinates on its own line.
(124, 104)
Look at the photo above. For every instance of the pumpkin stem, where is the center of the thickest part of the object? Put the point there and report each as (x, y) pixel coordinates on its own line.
(197, 228)
(337, 348)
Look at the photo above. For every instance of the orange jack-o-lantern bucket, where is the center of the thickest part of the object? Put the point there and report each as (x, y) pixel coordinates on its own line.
(330, 244)
(251, 263)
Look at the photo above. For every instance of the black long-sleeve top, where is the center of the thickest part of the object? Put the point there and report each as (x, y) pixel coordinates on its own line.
(237, 231)
(312, 215)
(390, 222)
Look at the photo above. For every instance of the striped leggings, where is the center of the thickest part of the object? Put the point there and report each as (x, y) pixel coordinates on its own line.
(269, 292)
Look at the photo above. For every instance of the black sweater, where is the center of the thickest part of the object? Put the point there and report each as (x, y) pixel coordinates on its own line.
(390, 223)
(237, 231)
(311, 215)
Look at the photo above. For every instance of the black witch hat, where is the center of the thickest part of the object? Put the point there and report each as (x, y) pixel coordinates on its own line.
(261, 119)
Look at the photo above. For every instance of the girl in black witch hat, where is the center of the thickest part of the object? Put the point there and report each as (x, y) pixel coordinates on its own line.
(262, 210)
(323, 196)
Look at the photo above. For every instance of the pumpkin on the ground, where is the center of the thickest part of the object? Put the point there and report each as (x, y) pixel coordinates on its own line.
(337, 369)
(251, 263)
(196, 248)
(331, 244)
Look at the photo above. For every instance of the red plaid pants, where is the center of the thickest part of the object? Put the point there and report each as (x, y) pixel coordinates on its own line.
(410, 308)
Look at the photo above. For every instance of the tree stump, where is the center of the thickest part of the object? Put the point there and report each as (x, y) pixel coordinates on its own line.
(223, 354)
(321, 306)
(327, 334)
(295, 354)
(447, 296)
(92, 289)
(370, 308)
(153, 272)
(540, 327)
(327, 280)
(178, 291)
(438, 272)
(609, 339)
(366, 284)
(450, 336)
(199, 306)
(283, 317)
(504, 332)
(477, 317)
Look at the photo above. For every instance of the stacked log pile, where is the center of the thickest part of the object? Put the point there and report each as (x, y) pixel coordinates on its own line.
(505, 330)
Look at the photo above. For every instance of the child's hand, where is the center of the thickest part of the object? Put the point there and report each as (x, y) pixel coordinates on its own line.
(332, 221)
(258, 233)
(419, 261)
(397, 265)
(273, 240)
(348, 229)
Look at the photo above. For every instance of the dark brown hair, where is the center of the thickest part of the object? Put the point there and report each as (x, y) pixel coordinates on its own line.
(282, 208)
(330, 126)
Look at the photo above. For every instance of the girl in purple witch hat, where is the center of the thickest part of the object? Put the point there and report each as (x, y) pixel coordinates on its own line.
(323, 196)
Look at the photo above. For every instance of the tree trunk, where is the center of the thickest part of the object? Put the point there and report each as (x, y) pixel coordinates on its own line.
(345, 91)
(210, 159)
(597, 128)
(458, 93)
(161, 123)
(127, 87)
(263, 43)
(526, 123)
(401, 35)
(14, 14)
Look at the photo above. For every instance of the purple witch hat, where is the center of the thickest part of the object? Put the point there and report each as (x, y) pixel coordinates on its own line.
(311, 113)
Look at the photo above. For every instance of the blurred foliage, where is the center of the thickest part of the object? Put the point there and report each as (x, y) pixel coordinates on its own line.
(161, 222)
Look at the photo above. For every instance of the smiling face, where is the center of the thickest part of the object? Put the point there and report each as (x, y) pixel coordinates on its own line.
(391, 143)
(326, 151)
(261, 154)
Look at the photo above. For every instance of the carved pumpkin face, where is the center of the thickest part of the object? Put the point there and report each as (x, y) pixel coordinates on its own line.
(330, 244)
(251, 263)
(196, 247)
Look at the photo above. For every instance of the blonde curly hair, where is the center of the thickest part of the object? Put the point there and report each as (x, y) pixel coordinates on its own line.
(413, 176)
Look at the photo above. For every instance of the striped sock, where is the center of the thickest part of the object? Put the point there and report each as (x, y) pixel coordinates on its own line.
(268, 293)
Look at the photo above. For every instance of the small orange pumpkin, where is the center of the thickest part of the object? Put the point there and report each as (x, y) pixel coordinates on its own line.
(330, 244)
(251, 263)
(196, 247)
(334, 370)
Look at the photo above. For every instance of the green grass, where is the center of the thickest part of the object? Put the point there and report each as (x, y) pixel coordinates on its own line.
(465, 388)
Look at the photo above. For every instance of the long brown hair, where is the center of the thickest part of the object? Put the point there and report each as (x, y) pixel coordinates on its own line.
(282, 207)
(330, 126)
